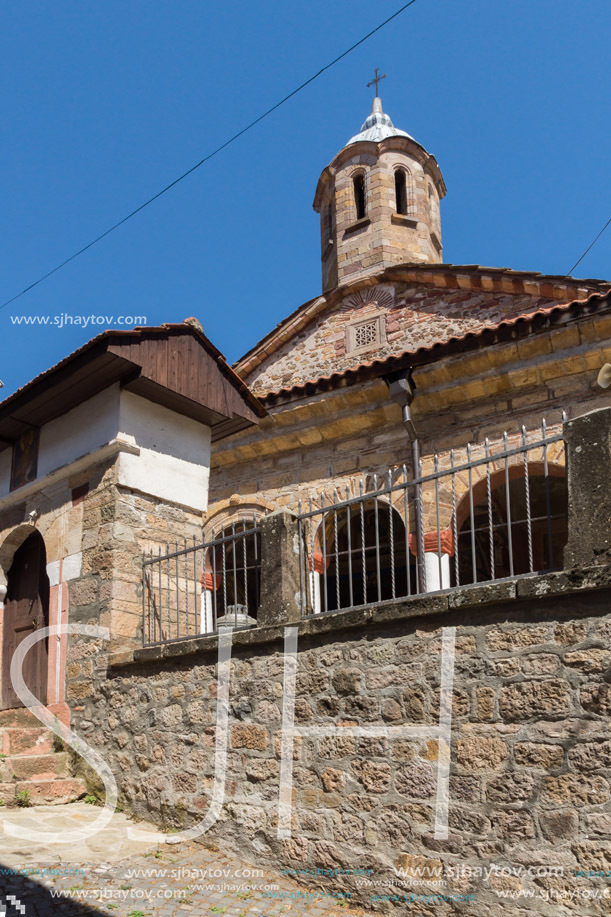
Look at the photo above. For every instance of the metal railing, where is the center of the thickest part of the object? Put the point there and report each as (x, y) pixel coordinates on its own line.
(199, 588)
(490, 513)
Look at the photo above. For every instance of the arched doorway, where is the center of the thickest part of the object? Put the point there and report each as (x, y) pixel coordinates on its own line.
(26, 610)
(522, 528)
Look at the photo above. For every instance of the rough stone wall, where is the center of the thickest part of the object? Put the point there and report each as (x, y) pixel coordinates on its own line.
(412, 316)
(118, 526)
(530, 777)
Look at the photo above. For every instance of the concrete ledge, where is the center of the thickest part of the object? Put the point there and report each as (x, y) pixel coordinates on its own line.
(483, 594)
(461, 599)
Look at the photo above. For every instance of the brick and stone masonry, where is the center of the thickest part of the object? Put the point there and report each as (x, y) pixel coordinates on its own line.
(530, 768)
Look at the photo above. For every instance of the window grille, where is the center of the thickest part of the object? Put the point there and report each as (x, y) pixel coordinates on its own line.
(366, 334)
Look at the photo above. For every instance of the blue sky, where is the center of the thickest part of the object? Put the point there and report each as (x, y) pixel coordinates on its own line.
(104, 103)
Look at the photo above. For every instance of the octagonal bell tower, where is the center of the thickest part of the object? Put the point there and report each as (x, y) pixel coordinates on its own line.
(378, 202)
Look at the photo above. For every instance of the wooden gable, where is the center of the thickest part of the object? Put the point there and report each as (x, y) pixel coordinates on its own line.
(173, 365)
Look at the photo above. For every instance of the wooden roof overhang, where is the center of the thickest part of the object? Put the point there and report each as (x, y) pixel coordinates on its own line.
(175, 366)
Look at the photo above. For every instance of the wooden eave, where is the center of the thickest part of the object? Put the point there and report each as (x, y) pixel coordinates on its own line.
(173, 365)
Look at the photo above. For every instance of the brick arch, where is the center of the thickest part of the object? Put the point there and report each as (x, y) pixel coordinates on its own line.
(234, 508)
(10, 545)
(497, 479)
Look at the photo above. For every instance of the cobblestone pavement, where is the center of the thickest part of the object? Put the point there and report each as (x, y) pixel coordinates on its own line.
(112, 874)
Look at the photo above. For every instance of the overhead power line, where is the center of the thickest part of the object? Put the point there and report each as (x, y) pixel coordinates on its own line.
(590, 246)
(209, 156)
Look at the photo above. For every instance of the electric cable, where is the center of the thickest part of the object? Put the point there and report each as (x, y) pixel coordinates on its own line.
(207, 158)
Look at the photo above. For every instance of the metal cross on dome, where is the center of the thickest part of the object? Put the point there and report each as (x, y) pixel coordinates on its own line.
(377, 79)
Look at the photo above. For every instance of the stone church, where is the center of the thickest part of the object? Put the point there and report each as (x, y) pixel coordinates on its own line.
(387, 464)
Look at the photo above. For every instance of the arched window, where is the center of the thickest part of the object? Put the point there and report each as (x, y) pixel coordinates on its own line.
(519, 529)
(327, 227)
(432, 205)
(358, 183)
(364, 557)
(400, 192)
(232, 572)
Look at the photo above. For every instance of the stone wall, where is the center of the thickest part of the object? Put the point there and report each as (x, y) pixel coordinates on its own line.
(530, 770)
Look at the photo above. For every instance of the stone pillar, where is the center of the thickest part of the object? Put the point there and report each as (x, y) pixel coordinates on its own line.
(280, 580)
(588, 462)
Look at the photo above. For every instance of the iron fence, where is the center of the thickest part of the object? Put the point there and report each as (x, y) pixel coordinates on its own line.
(199, 588)
(488, 514)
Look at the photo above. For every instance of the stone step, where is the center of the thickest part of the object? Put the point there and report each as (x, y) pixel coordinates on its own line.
(23, 718)
(18, 717)
(48, 792)
(38, 767)
(18, 740)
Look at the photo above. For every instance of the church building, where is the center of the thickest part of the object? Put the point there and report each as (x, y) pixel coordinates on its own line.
(406, 422)
(404, 359)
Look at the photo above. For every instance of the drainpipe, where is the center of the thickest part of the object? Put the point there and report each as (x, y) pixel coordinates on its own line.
(402, 390)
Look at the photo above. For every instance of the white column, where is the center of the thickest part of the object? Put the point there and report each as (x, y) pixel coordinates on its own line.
(206, 625)
(315, 591)
(435, 581)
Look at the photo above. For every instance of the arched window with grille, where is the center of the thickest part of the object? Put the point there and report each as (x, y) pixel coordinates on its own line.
(519, 526)
(232, 573)
(361, 556)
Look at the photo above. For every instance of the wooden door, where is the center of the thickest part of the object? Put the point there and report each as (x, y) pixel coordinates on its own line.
(26, 610)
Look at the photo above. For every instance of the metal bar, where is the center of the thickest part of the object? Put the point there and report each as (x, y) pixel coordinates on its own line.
(439, 564)
(406, 518)
(143, 582)
(195, 593)
(177, 598)
(245, 558)
(548, 509)
(527, 497)
(205, 592)
(508, 507)
(377, 531)
(336, 545)
(235, 574)
(417, 482)
(391, 538)
(186, 587)
(215, 591)
(363, 557)
(454, 520)
(472, 517)
(490, 520)
(349, 531)
(312, 571)
(224, 549)
(300, 537)
(324, 549)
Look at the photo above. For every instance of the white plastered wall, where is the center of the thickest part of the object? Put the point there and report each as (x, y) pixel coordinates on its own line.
(168, 455)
